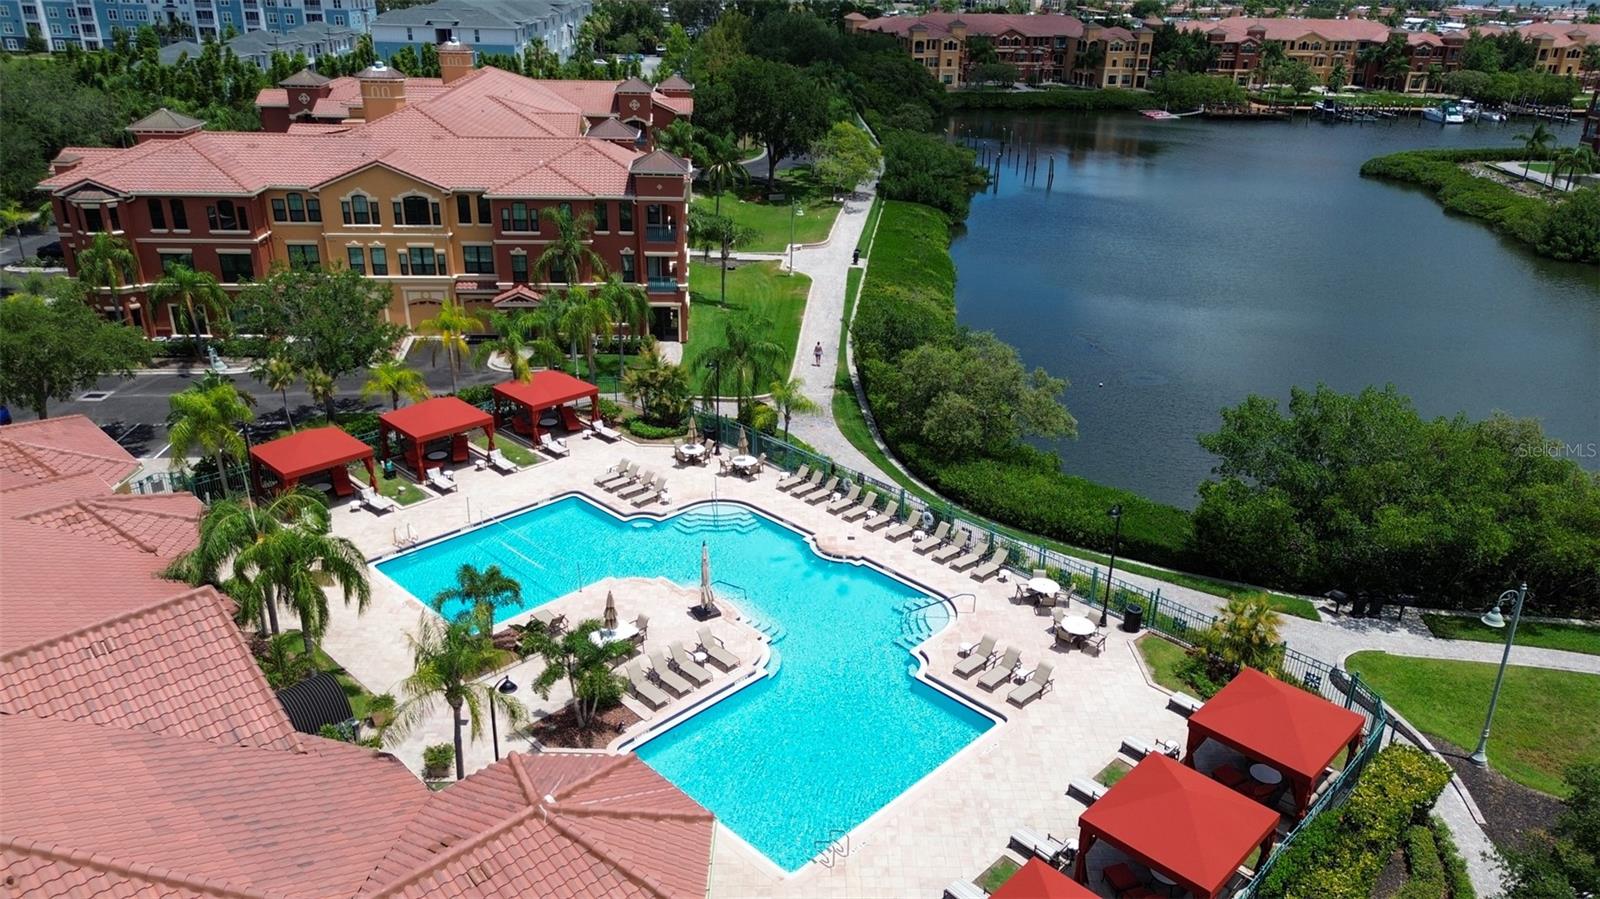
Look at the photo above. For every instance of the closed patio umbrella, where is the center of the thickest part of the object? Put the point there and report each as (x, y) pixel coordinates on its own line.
(708, 600)
(611, 611)
(694, 429)
(744, 443)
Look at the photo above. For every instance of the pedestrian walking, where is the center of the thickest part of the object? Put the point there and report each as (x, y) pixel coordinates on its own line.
(816, 356)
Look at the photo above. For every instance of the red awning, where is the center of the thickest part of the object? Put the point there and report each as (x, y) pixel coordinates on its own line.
(435, 418)
(545, 389)
(310, 451)
(1176, 820)
(1291, 729)
(1037, 880)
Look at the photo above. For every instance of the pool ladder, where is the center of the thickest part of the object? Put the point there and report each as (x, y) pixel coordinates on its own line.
(834, 849)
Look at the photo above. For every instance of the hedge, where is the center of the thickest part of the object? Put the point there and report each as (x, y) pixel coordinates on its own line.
(638, 427)
(1426, 879)
(1051, 98)
(1456, 877)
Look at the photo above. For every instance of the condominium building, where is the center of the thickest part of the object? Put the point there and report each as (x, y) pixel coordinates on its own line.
(440, 188)
(492, 26)
(1043, 48)
(314, 41)
(90, 24)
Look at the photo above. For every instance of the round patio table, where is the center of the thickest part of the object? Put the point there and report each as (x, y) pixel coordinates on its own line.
(1266, 774)
(692, 450)
(1077, 625)
(549, 421)
(324, 486)
(1043, 586)
(438, 456)
(1166, 883)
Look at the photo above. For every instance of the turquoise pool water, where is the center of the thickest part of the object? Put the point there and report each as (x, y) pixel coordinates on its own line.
(838, 732)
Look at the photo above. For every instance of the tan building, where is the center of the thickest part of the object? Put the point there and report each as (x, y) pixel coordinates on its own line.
(1043, 48)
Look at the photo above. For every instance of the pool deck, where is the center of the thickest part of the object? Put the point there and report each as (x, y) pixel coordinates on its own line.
(951, 825)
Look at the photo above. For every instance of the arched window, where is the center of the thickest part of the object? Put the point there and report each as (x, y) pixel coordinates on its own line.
(360, 210)
(415, 210)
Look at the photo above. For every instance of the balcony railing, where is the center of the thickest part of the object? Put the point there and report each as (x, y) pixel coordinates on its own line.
(662, 285)
(663, 233)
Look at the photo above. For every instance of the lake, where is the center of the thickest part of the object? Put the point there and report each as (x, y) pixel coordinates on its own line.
(1174, 267)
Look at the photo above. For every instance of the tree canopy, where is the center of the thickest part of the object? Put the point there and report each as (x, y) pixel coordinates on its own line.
(328, 321)
(53, 348)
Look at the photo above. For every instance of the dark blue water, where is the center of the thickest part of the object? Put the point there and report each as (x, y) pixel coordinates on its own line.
(1186, 264)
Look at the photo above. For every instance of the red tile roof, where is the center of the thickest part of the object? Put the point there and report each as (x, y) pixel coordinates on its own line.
(36, 450)
(1236, 28)
(989, 24)
(163, 525)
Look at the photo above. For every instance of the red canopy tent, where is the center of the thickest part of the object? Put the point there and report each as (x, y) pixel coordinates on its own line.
(1178, 821)
(1037, 880)
(1294, 731)
(443, 416)
(308, 452)
(543, 390)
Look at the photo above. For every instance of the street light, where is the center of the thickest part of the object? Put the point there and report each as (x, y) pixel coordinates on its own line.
(1116, 515)
(506, 687)
(794, 210)
(1494, 619)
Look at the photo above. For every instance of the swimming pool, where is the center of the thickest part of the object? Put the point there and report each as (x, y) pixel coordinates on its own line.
(842, 727)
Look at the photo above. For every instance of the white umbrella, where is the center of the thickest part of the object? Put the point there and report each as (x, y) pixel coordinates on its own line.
(708, 600)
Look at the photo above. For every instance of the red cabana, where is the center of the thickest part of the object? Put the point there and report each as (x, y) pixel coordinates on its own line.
(542, 391)
(309, 452)
(1037, 880)
(1281, 725)
(440, 417)
(1178, 821)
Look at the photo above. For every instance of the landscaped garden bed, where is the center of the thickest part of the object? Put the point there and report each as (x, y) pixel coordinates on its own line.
(561, 728)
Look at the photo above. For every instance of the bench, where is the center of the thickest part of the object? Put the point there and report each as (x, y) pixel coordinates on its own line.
(1184, 704)
(1086, 790)
(964, 889)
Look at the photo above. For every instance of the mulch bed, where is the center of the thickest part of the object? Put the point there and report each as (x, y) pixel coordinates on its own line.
(1512, 810)
(1393, 876)
(560, 729)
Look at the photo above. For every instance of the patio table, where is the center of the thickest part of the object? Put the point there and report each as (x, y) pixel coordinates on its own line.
(1166, 883)
(438, 456)
(549, 421)
(607, 635)
(744, 462)
(692, 450)
(1077, 625)
(1043, 586)
(1266, 774)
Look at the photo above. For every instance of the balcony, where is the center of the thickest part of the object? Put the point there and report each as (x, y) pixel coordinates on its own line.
(661, 285)
(661, 233)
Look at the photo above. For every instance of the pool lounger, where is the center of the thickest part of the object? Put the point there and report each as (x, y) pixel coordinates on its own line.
(666, 677)
(1007, 666)
(846, 501)
(954, 549)
(605, 432)
(928, 542)
(995, 563)
(651, 495)
(884, 517)
(821, 494)
(650, 693)
(621, 473)
(972, 558)
(376, 501)
(686, 664)
(862, 508)
(1038, 683)
(715, 650)
(500, 463)
(642, 486)
(440, 480)
(812, 483)
(796, 479)
(553, 445)
(981, 655)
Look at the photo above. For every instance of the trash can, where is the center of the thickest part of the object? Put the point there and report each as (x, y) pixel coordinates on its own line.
(1133, 618)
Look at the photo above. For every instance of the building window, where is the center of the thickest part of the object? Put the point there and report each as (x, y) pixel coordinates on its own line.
(484, 218)
(625, 217)
(280, 211)
(92, 220)
(180, 217)
(297, 208)
(630, 268)
(235, 267)
(519, 268)
(516, 217)
(304, 255)
(314, 209)
(423, 262)
(158, 216)
(116, 220)
(380, 261)
(169, 260)
(227, 216)
(358, 210)
(415, 210)
(464, 209)
(602, 216)
(479, 260)
(358, 260)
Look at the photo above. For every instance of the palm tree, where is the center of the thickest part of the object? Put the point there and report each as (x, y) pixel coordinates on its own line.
(630, 309)
(279, 374)
(1535, 143)
(514, 339)
(790, 397)
(231, 526)
(321, 386)
(395, 379)
(1247, 634)
(569, 248)
(585, 317)
(721, 166)
(678, 139)
(197, 292)
(1575, 161)
(479, 593)
(450, 326)
(293, 566)
(446, 657)
(206, 419)
(745, 354)
(585, 665)
(106, 264)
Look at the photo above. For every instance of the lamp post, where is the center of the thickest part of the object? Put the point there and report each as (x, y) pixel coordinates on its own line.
(1116, 515)
(1494, 619)
(506, 687)
(794, 209)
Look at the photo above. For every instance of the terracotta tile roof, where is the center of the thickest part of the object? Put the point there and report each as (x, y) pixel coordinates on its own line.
(166, 526)
(557, 825)
(989, 24)
(307, 822)
(36, 450)
(272, 97)
(317, 128)
(178, 667)
(1236, 28)
(165, 120)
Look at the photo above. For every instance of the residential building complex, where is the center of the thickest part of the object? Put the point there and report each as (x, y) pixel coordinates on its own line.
(89, 24)
(1043, 48)
(492, 26)
(441, 188)
(314, 41)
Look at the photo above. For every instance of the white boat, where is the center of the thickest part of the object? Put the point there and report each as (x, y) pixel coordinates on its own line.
(1447, 113)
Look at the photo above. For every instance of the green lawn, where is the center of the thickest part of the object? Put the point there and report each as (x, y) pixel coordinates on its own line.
(1110, 774)
(292, 644)
(399, 488)
(864, 245)
(1162, 657)
(1546, 720)
(1571, 637)
(1293, 605)
(772, 221)
(511, 449)
(997, 874)
(759, 289)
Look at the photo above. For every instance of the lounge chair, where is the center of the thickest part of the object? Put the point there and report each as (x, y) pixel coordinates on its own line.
(812, 483)
(1184, 704)
(964, 889)
(1003, 669)
(1029, 842)
(642, 623)
(666, 677)
(860, 509)
(981, 655)
(644, 689)
(882, 518)
(716, 650)
(902, 530)
(796, 479)
(651, 495)
(640, 487)
(440, 480)
(1039, 682)
(955, 549)
(605, 431)
(972, 557)
(821, 494)
(376, 501)
(686, 664)
(499, 461)
(994, 564)
(621, 468)
(931, 541)
(553, 445)
(846, 501)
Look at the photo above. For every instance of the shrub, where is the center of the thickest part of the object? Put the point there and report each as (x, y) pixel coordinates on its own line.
(926, 169)
(437, 760)
(477, 394)
(610, 410)
(1422, 862)
(638, 427)
(1456, 878)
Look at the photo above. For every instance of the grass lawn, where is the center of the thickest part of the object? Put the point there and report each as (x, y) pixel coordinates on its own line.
(757, 289)
(291, 643)
(997, 874)
(1546, 720)
(399, 488)
(1293, 605)
(1571, 637)
(1110, 774)
(1162, 657)
(870, 231)
(511, 449)
(771, 221)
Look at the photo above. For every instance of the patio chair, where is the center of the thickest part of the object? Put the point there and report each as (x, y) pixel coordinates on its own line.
(644, 689)
(1229, 776)
(686, 664)
(555, 446)
(643, 624)
(570, 420)
(640, 487)
(716, 650)
(957, 556)
(796, 479)
(931, 541)
(500, 463)
(1002, 670)
(846, 501)
(859, 510)
(981, 655)
(1120, 878)
(1038, 684)
(811, 485)
(622, 467)
(995, 563)
(666, 677)
(376, 501)
(1095, 641)
(651, 495)
(882, 518)
(821, 494)
(440, 480)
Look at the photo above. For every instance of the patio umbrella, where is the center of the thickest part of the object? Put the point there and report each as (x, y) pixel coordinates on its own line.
(744, 443)
(708, 600)
(694, 429)
(611, 611)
